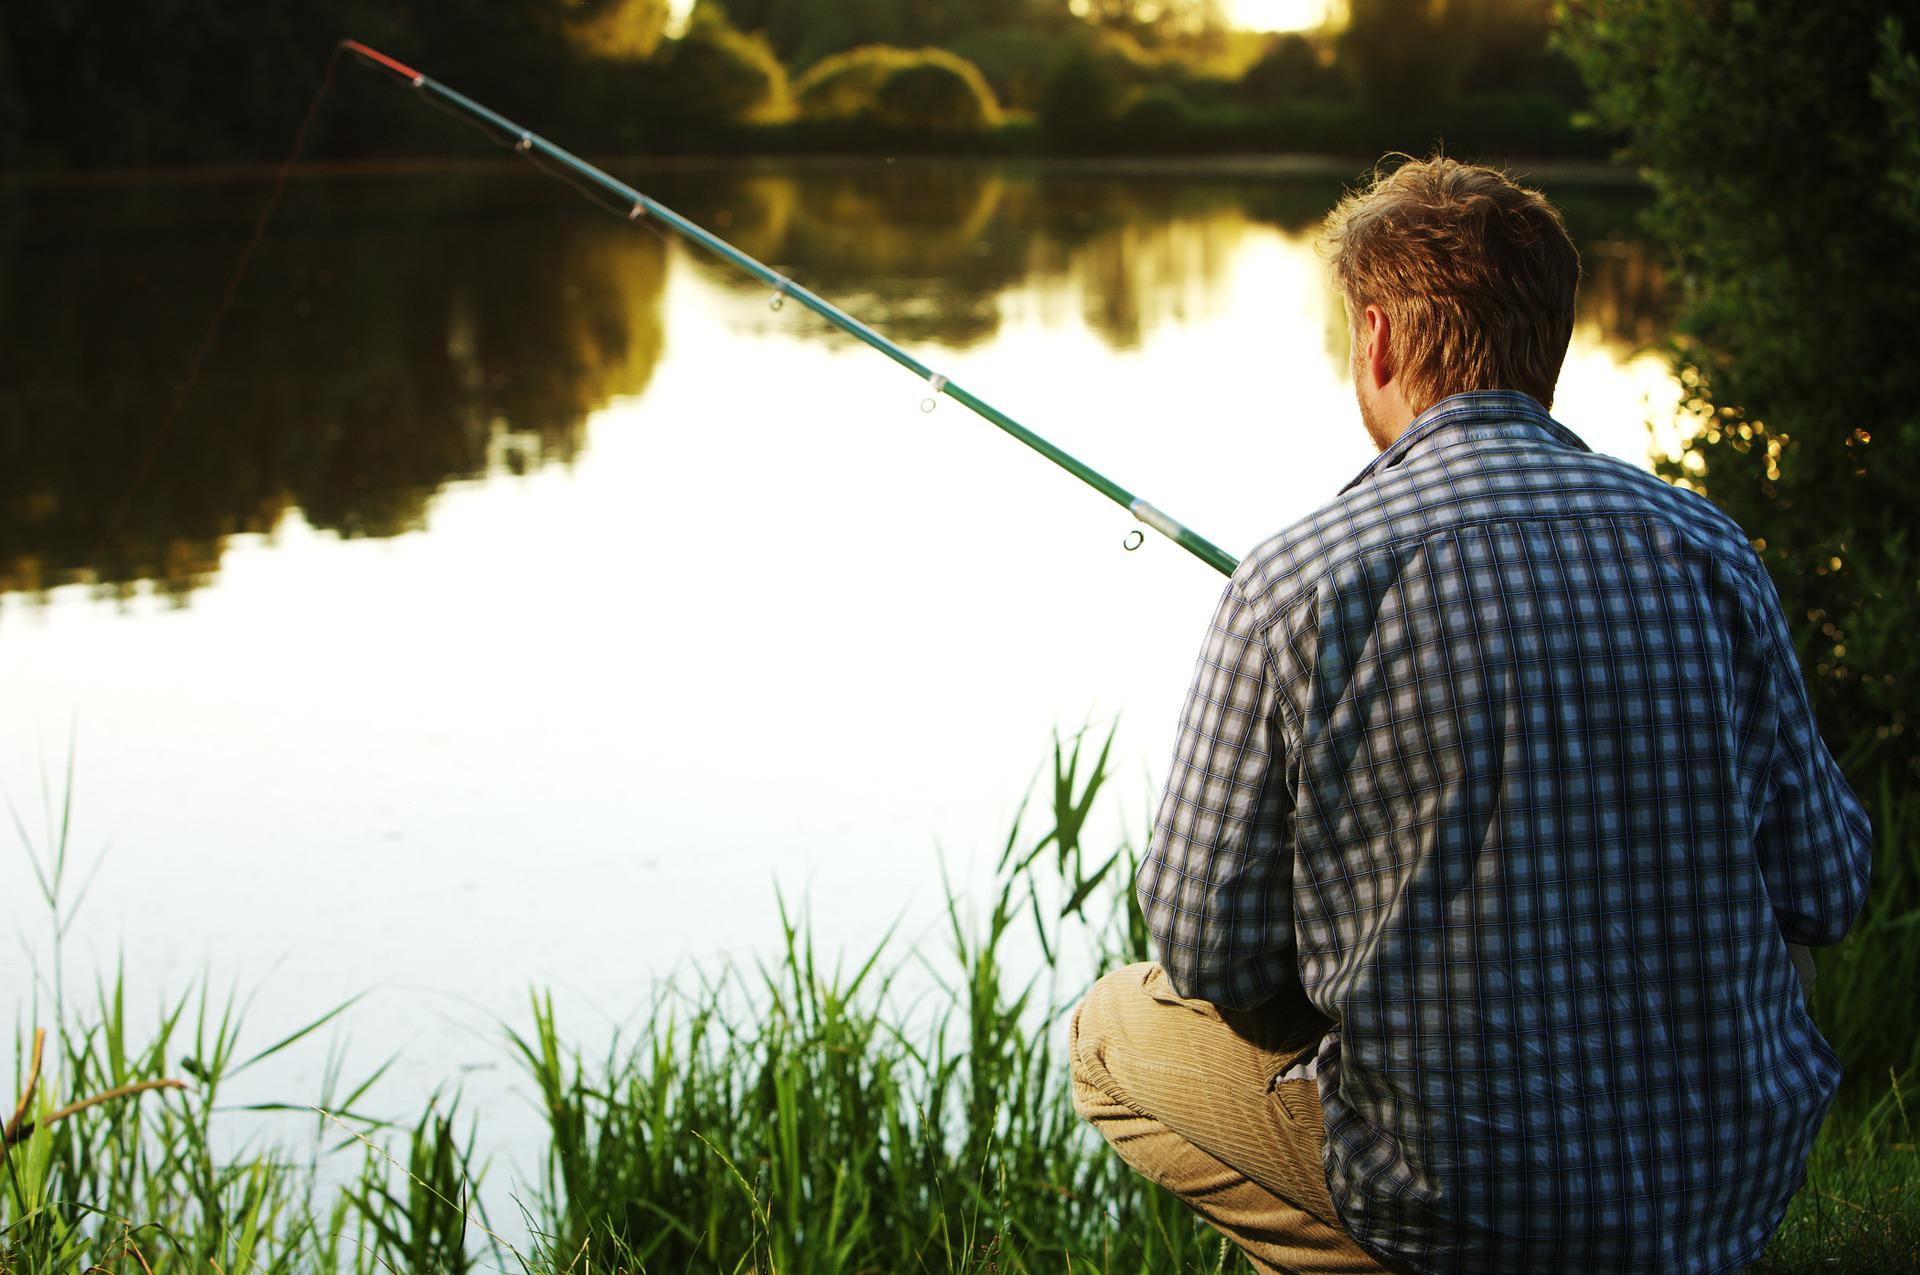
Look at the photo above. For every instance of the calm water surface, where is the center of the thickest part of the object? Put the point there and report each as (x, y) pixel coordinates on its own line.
(519, 600)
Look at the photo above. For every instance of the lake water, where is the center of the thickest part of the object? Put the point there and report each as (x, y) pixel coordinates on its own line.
(519, 601)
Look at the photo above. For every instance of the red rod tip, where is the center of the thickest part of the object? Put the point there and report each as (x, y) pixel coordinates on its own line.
(399, 68)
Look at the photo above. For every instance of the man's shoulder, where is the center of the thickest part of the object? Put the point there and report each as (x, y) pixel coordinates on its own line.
(1443, 492)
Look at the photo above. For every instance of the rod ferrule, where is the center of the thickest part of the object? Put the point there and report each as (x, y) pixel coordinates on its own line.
(1159, 521)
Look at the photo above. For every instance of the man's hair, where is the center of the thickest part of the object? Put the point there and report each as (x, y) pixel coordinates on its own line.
(1475, 273)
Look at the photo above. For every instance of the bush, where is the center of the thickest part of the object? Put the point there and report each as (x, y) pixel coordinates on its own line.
(941, 92)
(1015, 61)
(1404, 54)
(847, 85)
(928, 89)
(715, 75)
(1081, 99)
(1155, 117)
(1291, 68)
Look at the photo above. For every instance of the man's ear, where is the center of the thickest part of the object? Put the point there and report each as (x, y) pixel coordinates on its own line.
(1377, 358)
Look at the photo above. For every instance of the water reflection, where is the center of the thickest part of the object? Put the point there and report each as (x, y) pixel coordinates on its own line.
(401, 332)
(394, 336)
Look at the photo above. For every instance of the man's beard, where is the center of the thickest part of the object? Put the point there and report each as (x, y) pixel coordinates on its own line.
(1375, 430)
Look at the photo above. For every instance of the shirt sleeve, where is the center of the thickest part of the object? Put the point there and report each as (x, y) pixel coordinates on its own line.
(1815, 844)
(1216, 883)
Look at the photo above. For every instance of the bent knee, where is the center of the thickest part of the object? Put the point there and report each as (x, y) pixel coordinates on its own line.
(1095, 1026)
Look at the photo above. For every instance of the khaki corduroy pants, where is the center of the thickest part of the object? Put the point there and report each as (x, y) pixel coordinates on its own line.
(1190, 1097)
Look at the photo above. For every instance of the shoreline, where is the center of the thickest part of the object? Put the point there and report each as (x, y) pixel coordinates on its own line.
(1246, 166)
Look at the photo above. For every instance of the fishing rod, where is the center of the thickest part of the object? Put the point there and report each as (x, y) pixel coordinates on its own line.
(622, 198)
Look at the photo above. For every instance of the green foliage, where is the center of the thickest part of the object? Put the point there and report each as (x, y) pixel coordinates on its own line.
(1856, 1212)
(802, 32)
(801, 1117)
(1160, 22)
(1795, 261)
(715, 75)
(940, 93)
(1155, 117)
(627, 30)
(13, 111)
(798, 1118)
(1291, 67)
(1015, 61)
(1081, 98)
(847, 85)
(924, 89)
(598, 76)
(1401, 54)
(1780, 140)
(422, 1222)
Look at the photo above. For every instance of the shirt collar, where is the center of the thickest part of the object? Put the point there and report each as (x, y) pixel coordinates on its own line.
(1517, 415)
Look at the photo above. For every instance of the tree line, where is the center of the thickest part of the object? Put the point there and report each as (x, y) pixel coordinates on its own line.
(95, 84)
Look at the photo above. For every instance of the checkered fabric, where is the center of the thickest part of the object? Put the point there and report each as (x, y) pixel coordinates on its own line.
(1504, 757)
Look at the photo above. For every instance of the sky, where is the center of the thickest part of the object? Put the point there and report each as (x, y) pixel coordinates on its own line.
(1278, 15)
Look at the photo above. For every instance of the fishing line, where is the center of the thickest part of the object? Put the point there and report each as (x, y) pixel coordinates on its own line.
(212, 337)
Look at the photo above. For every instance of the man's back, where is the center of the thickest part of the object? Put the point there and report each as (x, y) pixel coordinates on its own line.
(1504, 758)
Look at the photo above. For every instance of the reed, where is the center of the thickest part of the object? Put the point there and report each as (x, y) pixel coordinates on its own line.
(905, 1110)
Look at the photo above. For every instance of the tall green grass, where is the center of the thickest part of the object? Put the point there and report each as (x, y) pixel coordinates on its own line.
(905, 1110)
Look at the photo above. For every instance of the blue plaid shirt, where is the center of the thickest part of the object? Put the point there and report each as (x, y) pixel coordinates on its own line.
(1504, 758)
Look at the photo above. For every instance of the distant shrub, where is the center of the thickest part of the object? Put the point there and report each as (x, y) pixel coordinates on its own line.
(1155, 117)
(846, 85)
(619, 29)
(714, 74)
(928, 89)
(1015, 60)
(1081, 98)
(1291, 68)
(942, 92)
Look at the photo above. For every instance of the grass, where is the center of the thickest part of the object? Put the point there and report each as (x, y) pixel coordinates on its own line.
(807, 1115)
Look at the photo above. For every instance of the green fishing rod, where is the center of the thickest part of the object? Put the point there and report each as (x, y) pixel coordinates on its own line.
(620, 197)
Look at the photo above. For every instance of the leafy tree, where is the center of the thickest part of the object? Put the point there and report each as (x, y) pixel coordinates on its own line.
(938, 92)
(626, 29)
(1401, 54)
(898, 88)
(715, 75)
(1015, 59)
(1781, 143)
(1157, 21)
(1081, 97)
(1155, 117)
(1510, 50)
(846, 85)
(1290, 67)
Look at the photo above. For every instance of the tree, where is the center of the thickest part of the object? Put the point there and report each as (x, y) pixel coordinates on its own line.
(715, 75)
(1080, 99)
(1402, 54)
(626, 29)
(1290, 68)
(1155, 21)
(939, 92)
(898, 88)
(1783, 145)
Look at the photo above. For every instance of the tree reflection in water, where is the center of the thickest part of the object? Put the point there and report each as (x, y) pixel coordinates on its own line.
(399, 332)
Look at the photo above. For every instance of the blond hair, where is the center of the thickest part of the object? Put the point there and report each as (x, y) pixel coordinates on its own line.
(1476, 275)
